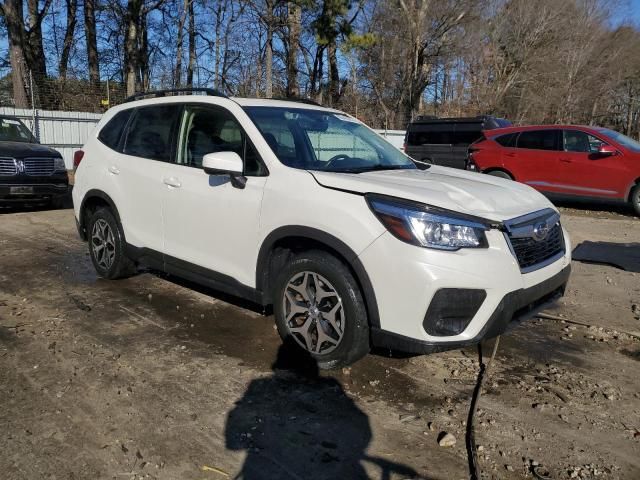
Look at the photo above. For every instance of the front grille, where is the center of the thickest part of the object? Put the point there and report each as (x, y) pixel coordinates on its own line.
(8, 166)
(531, 249)
(38, 167)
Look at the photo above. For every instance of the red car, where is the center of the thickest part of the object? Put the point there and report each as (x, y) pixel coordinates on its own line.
(563, 161)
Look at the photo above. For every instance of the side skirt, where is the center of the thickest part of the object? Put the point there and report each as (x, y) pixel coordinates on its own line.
(194, 273)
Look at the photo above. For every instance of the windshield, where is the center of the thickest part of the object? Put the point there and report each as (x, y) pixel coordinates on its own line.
(623, 140)
(320, 140)
(13, 130)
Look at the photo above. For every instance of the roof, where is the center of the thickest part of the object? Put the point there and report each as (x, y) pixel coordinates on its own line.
(502, 131)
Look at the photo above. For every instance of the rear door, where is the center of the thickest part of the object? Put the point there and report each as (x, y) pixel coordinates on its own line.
(431, 143)
(465, 134)
(139, 170)
(535, 158)
(585, 172)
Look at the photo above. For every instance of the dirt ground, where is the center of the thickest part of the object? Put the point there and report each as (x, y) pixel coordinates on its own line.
(150, 378)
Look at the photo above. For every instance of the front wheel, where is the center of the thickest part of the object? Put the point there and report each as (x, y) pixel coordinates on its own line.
(500, 174)
(318, 304)
(635, 199)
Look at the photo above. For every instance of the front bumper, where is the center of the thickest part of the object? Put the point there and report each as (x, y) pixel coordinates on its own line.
(408, 283)
(39, 188)
(514, 308)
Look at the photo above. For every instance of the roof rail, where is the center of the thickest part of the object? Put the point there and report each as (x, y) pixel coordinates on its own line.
(163, 93)
(308, 101)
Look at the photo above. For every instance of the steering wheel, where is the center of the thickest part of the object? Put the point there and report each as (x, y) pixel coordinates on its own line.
(335, 158)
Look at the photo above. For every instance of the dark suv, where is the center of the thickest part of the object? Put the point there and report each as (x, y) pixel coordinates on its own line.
(29, 172)
(445, 141)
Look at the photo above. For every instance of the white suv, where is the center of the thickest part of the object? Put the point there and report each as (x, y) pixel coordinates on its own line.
(306, 209)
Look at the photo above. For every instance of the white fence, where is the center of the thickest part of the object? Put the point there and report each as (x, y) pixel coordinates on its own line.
(68, 131)
(64, 131)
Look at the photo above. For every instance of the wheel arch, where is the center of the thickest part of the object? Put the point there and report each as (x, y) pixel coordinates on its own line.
(499, 169)
(282, 242)
(92, 200)
(631, 187)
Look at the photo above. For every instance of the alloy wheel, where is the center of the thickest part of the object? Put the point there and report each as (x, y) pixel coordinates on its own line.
(314, 313)
(103, 244)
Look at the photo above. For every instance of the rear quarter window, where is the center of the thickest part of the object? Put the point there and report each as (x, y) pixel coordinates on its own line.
(110, 134)
(508, 140)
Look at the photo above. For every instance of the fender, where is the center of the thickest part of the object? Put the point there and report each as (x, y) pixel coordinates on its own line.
(299, 231)
(95, 193)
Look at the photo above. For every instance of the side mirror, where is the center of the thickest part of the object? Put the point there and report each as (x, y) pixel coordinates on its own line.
(225, 163)
(607, 151)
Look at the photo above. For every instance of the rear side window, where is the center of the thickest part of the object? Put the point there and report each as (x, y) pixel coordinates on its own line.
(539, 140)
(508, 140)
(466, 133)
(431, 135)
(150, 132)
(112, 131)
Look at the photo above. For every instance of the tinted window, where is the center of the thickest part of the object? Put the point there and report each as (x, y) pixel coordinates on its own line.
(539, 139)
(577, 141)
(209, 129)
(508, 140)
(440, 135)
(111, 132)
(150, 132)
(466, 133)
(13, 130)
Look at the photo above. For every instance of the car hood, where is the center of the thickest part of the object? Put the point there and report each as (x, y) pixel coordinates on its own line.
(23, 150)
(471, 193)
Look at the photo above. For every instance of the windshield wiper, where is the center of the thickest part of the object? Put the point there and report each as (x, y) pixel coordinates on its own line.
(373, 168)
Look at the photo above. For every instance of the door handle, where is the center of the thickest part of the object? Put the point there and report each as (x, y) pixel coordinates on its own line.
(114, 170)
(510, 154)
(565, 160)
(172, 182)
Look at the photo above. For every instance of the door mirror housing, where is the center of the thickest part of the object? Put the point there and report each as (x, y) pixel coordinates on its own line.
(607, 151)
(225, 163)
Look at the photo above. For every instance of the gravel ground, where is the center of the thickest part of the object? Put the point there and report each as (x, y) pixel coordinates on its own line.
(151, 377)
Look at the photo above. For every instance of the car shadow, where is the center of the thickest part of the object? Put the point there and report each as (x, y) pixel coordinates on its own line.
(297, 423)
(625, 256)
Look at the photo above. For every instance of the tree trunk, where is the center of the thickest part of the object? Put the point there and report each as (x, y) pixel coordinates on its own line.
(294, 16)
(334, 75)
(35, 52)
(177, 72)
(268, 54)
(134, 9)
(72, 7)
(143, 53)
(13, 15)
(192, 45)
(216, 59)
(92, 43)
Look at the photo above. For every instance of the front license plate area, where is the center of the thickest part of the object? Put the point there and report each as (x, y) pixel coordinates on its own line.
(21, 190)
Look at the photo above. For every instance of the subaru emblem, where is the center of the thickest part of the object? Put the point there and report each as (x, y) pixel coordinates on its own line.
(540, 231)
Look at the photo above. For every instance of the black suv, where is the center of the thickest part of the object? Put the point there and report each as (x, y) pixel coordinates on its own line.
(445, 141)
(29, 172)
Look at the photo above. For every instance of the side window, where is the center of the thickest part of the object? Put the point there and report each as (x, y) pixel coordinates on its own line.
(111, 132)
(437, 135)
(577, 141)
(208, 129)
(150, 131)
(539, 140)
(508, 140)
(465, 137)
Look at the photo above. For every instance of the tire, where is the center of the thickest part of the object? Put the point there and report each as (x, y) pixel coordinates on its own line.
(500, 174)
(107, 246)
(339, 314)
(635, 199)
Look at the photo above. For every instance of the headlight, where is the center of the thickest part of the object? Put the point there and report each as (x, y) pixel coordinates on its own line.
(58, 164)
(427, 226)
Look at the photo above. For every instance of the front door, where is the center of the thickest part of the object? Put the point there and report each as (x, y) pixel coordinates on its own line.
(585, 172)
(208, 223)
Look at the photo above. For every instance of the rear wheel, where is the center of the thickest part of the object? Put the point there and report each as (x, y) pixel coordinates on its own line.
(635, 199)
(318, 304)
(107, 246)
(501, 174)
